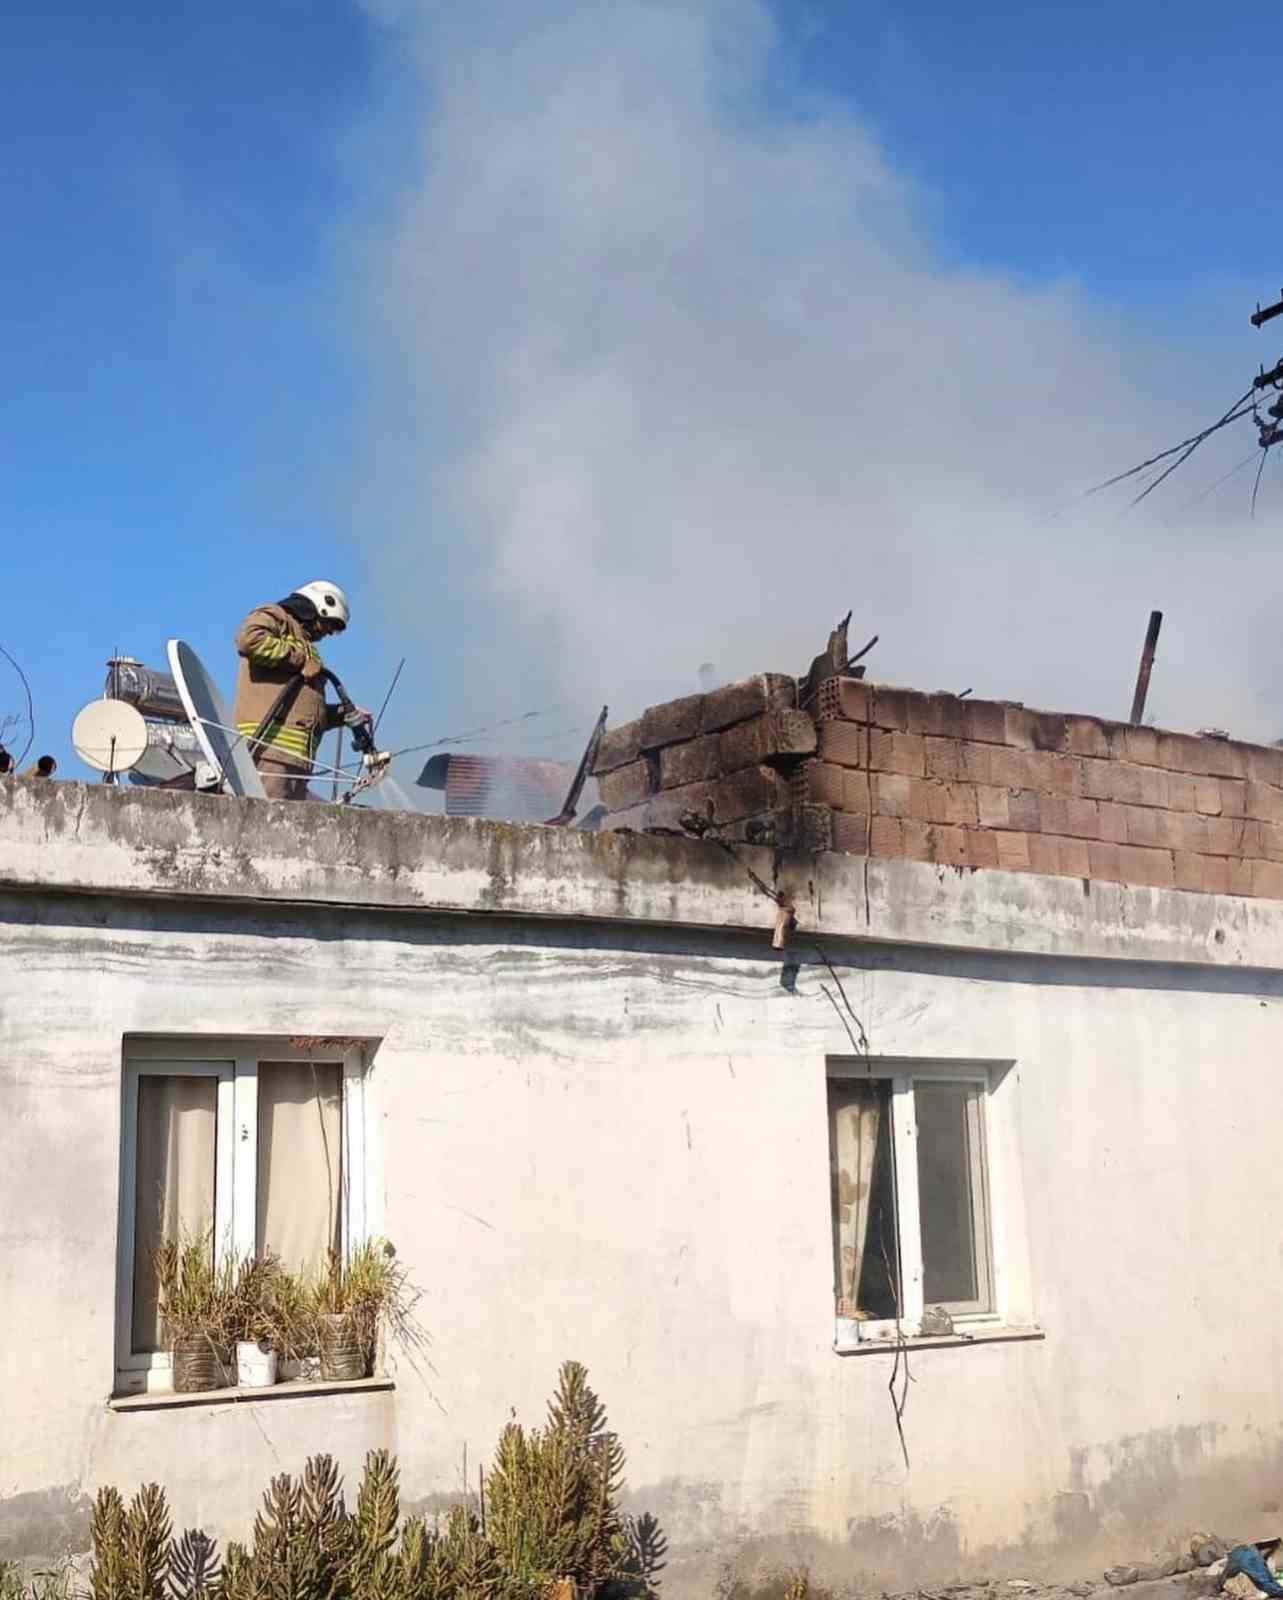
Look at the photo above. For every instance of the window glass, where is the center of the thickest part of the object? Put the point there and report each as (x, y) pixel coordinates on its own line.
(951, 1202)
(174, 1190)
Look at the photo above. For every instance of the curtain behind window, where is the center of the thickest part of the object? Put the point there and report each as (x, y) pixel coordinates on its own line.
(300, 1155)
(856, 1111)
(174, 1187)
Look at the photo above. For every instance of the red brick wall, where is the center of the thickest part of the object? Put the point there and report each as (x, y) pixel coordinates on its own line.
(976, 783)
(891, 772)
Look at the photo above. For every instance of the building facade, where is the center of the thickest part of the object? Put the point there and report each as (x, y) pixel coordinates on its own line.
(1005, 1134)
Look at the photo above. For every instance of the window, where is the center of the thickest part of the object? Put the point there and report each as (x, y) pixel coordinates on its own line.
(259, 1144)
(911, 1180)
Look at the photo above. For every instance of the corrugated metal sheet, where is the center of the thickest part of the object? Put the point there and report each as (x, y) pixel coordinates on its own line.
(507, 788)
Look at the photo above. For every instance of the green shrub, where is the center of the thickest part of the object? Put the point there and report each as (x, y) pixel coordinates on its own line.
(550, 1513)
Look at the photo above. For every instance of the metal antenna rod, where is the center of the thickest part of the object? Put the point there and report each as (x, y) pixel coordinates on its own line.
(338, 764)
(395, 679)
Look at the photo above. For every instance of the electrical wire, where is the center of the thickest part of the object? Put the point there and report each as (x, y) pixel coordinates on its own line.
(476, 733)
(31, 716)
(1232, 415)
(1194, 440)
(1265, 450)
(1224, 478)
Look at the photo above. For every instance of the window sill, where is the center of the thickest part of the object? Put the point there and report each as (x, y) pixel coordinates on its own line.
(289, 1390)
(985, 1334)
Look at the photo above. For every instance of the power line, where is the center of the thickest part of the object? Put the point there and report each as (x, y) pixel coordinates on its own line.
(1193, 441)
(1265, 450)
(1224, 478)
(1237, 410)
(476, 733)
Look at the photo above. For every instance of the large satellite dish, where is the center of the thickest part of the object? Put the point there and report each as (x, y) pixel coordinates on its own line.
(225, 750)
(110, 736)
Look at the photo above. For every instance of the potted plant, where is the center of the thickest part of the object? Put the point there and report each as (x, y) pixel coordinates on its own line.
(196, 1301)
(293, 1328)
(258, 1324)
(351, 1302)
(288, 1325)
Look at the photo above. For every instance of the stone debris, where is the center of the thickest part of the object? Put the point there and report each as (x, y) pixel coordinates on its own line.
(1196, 1572)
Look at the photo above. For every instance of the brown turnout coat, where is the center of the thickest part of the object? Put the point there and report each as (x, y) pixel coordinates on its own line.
(273, 649)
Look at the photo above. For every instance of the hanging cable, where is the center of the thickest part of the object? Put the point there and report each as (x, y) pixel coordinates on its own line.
(1232, 415)
(476, 733)
(1224, 478)
(1192, 442)
(31, 716)
(1265, 450)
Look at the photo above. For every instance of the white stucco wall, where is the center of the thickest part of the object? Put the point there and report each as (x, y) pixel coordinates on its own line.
(604, 1136)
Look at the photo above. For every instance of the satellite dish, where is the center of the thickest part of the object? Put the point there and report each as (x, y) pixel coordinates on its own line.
(224, 748)
(110, 736)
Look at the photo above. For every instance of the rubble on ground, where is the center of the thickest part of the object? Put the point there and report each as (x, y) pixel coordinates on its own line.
(1204, 1566)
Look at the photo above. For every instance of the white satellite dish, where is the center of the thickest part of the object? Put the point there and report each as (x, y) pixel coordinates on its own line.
(110, 736)
(224, 749)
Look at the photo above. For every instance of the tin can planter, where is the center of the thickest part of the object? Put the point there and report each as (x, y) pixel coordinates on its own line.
(199, 1364)
(343, 1356)
(255, 1364)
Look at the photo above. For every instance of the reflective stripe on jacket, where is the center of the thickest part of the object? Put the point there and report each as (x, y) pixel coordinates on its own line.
(273, 649)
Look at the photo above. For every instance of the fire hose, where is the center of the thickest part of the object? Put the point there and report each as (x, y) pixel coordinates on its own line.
(360, 726)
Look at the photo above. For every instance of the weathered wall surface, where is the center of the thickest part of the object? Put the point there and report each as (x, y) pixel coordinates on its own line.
(608, 1140)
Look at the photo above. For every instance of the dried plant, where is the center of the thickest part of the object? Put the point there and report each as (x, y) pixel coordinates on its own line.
(788, 1583)
(46, 1583)
(227, 1299)
(196, 1292)
(373, 1288)
(255, 1288)
(289, 1322)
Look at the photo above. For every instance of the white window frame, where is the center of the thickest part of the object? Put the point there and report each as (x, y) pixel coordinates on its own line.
(235, 1064)
(1002, 1241)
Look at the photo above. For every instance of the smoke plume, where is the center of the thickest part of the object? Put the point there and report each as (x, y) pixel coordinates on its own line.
(666, 369)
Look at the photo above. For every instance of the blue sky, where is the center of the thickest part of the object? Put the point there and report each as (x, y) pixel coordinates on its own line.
(200, 317)
(1114, 140)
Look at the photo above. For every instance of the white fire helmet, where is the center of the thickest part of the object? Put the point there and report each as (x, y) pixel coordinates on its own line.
(329, 600)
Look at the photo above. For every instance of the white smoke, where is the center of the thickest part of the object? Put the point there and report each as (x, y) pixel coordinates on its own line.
(665, 374)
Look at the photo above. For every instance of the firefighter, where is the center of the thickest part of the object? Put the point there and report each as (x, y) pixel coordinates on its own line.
(277, 646)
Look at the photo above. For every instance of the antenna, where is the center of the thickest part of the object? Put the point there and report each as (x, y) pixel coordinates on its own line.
(110, 736)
